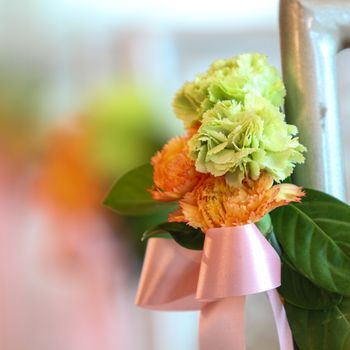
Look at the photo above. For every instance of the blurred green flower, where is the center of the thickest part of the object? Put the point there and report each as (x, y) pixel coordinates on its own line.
(114, 123)
(239, 139)
(229, 79)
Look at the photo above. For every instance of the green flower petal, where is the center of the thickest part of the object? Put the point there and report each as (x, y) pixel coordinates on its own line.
(245, 141)
(227, 80)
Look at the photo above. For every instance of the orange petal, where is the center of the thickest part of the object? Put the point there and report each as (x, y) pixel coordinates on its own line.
(214, 203)
(174, 171)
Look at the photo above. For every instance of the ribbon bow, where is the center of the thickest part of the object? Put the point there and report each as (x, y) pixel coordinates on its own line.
(235, 262)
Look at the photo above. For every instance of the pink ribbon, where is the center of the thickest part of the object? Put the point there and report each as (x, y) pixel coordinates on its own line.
(235, 262)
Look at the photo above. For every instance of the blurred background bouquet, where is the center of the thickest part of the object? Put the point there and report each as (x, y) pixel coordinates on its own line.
(79, 81)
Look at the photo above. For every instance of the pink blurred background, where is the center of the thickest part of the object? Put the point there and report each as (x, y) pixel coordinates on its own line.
(85, 95)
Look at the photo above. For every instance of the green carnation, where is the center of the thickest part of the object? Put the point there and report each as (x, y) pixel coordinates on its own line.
(227, 80)
(239, 139)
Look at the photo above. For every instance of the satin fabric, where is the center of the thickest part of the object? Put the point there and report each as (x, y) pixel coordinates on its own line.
(235, 262)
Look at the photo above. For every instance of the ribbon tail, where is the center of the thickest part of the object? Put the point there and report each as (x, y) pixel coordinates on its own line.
(283, 330)
(221, 324)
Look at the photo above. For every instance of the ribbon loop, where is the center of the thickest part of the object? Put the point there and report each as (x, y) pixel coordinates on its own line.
(169, 277)
(235, 262)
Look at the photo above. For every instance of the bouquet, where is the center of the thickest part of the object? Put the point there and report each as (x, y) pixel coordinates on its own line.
(237, 225)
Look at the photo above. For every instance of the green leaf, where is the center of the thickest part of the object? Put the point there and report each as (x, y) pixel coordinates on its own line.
(299, 291)
(271, 237)
(156, 234)
(321, 330)
(265, 225)
(315, 195)
(130, 196)
(315, 236)
(185, 235)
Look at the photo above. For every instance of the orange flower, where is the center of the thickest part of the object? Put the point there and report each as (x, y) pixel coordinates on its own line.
(174, 171)
(67, 181)
(213, 203)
